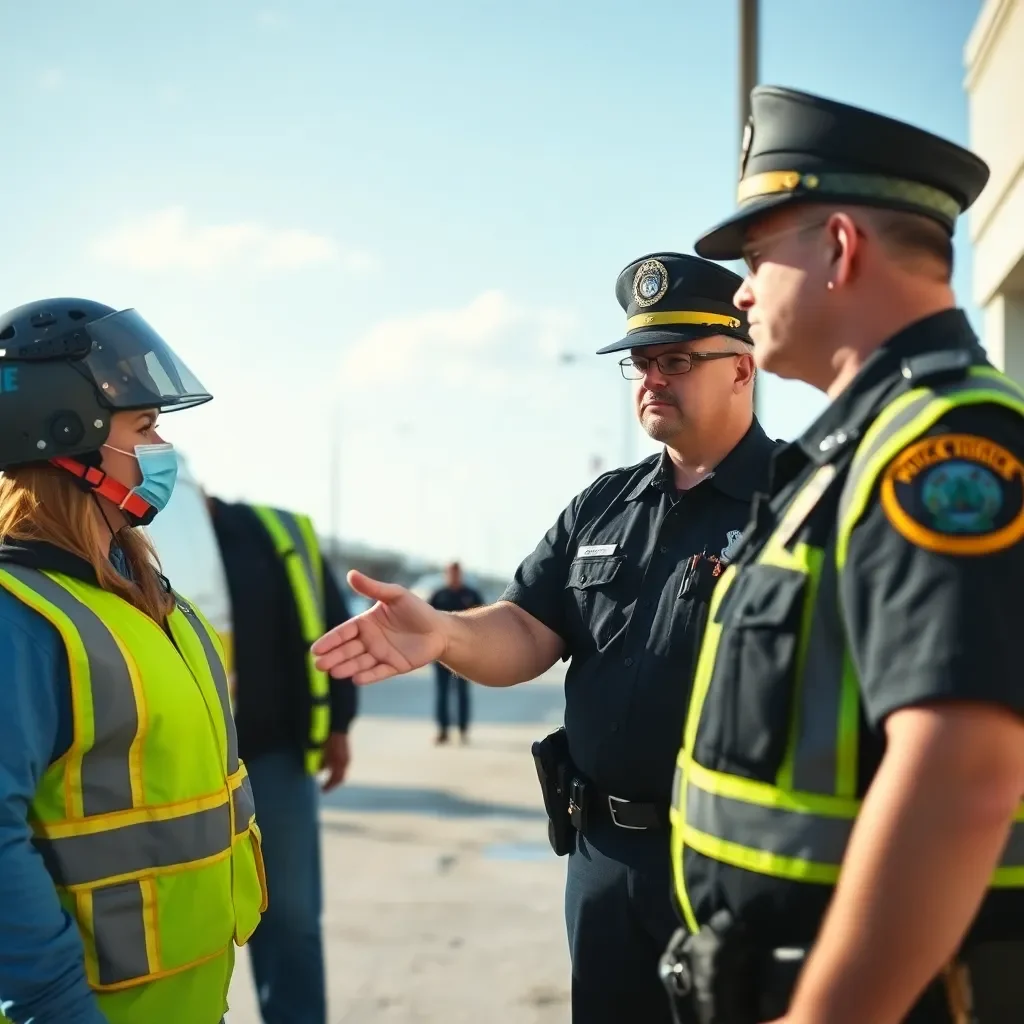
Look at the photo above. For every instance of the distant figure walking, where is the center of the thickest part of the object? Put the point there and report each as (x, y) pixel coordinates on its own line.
(454, 596)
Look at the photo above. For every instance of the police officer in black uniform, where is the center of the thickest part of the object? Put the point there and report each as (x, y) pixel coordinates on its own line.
(618, 586)
(848, 837)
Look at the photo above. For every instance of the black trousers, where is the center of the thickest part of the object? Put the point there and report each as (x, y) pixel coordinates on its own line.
(444, 679)
(619, 918)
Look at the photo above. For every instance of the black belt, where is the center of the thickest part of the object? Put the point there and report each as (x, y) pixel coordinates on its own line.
(588, 807)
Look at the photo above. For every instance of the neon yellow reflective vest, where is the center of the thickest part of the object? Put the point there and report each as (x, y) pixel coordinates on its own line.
(146, 824)
(796, 827)
(296, 545)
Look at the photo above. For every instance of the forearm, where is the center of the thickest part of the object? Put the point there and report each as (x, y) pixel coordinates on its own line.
(499, 645)
(42, 962)
(916, 870)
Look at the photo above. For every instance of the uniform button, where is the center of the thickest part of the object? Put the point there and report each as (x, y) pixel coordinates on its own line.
(663, 549)
(583, 578)
(832, 440)
(615, 727)
(628, 662)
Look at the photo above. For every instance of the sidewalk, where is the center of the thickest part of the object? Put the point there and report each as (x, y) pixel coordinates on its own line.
(443, 900)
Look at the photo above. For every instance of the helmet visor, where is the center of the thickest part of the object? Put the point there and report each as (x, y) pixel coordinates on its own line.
(134, 368)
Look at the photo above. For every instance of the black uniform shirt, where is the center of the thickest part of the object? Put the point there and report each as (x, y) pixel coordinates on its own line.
(921, 625)
(455, 599)
(953, 635)
(609, 578)
(272, 703)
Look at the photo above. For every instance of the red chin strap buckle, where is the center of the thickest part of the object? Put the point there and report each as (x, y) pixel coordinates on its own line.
(105, 486)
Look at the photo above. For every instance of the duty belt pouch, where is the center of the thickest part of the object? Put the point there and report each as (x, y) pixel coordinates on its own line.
(554, 771)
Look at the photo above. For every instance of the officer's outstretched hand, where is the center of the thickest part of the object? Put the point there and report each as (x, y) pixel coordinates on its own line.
(398, 634)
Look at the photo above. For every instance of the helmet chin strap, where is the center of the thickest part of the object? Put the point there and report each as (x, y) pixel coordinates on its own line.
(137, 508)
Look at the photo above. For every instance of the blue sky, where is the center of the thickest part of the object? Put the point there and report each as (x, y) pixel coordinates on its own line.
(384, 224)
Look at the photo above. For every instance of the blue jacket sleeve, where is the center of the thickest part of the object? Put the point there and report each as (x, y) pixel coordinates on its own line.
(42, 961)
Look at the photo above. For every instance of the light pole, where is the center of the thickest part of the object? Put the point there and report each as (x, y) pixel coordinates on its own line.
(749, 49)
(335, 480)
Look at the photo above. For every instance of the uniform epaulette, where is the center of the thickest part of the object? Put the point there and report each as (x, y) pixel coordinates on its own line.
(943, 365)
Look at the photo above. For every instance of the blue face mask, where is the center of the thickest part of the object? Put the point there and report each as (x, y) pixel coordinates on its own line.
(159, 466)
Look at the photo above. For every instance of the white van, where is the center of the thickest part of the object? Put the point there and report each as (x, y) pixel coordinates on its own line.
(189, 556)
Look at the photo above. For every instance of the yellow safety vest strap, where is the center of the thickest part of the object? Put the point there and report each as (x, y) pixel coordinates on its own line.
(187, 622)
(103, 692)
(295, 542)
(244, 804)
(131, 850)
(902, 422)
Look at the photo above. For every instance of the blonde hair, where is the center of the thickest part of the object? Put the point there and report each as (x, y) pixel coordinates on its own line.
(40, 502)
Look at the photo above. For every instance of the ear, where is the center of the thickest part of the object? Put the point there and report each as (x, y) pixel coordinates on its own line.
(746, 368)
(845, 243)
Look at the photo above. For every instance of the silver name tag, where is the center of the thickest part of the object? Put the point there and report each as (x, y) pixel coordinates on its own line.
(596, 550)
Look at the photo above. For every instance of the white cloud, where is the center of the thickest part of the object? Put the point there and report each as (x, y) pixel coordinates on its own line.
(483, 345)
(169, 240)
(51, 79)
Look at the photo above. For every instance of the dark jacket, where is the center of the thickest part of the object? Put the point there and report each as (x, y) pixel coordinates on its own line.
(271, 676)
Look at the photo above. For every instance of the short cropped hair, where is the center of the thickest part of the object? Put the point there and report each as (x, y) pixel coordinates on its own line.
(912, 238)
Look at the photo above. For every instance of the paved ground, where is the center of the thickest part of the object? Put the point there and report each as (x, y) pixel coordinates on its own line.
(443, 901)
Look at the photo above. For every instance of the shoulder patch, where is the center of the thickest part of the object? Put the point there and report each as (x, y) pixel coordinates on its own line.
(956, 494)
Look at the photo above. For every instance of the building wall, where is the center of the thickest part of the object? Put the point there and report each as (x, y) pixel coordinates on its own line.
(994, 58)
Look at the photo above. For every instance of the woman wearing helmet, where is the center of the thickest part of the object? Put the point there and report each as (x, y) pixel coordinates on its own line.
(129, 852)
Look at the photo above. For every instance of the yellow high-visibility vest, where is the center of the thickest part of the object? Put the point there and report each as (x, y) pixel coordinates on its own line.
(796, 826)
(295, 542)
(146, 824)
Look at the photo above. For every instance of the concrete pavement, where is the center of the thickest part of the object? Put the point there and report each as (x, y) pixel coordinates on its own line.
(442, 898)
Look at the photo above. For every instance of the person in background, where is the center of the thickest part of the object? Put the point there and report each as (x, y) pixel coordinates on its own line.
(293, 724)
(129, 851)
(454, 596)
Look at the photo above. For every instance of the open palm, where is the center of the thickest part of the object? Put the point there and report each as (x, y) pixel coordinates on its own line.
(398, 634)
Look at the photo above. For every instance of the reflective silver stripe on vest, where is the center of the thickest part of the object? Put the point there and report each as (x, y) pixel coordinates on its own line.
(245, 806)
(119, 927)
(220, 679)
(295, 534)
(866, 453)
(91, 857)
(106, 777)
(815, 760)
(783, 833)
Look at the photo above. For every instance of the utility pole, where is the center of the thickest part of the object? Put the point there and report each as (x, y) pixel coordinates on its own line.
(333, 476)
(749, 48)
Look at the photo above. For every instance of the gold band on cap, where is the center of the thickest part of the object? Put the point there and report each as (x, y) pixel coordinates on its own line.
(674, 316)
(870, 186)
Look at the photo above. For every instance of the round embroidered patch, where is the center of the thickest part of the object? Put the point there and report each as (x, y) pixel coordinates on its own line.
(956, 494)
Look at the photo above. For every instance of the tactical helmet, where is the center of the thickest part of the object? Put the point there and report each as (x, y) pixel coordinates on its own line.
(66, 366)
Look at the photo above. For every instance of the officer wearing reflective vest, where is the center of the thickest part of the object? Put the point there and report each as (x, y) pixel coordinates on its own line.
(130, 861)
(846, 823)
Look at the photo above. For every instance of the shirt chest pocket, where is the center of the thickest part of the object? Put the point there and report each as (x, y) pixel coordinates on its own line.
(745, 720)
(593, 591)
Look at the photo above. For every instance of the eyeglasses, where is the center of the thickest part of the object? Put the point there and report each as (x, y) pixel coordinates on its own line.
(753, 252)
(671, 364)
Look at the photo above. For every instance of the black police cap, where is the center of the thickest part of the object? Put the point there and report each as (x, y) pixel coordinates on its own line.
(800, 148)
(671, 297)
